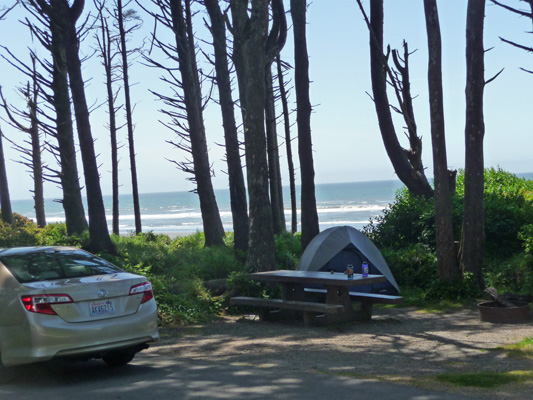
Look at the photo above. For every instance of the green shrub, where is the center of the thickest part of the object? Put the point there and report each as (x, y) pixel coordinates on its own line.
(404, 222)
(462, 289)
(23, 232)
(414, 266)
(288, 250)
(56, 235)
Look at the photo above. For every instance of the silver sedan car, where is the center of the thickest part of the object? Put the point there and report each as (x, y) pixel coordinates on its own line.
(64, 302)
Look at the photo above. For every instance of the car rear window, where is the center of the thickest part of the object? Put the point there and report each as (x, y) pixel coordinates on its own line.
(51, 265)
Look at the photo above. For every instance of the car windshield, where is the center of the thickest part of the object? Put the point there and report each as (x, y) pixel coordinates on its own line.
(56, 264)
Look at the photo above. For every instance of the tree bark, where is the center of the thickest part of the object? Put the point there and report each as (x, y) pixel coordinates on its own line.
(72, 202)
(237, 188)
(288, 140)
(37, 165)
(274, 171)
(413, 178)
(213, 229)
(66, 16)
(446, 254)
(129, 119)
(250, 59)
(105, 45)
(5, 200)
(473, 230)
(310, 226)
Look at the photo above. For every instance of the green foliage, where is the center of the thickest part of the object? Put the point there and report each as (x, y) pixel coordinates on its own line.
(288, 250)
(407, 229)
(56, 235)
(409, 220)
(23, 232)
(460, 290)
(414, 266)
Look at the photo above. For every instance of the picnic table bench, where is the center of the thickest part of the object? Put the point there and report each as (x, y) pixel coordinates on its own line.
(335, 306)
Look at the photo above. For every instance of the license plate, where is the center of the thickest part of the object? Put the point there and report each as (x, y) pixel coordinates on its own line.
(102, 308)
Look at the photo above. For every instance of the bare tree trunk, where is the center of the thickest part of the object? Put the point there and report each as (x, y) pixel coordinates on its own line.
(310, 227)
(105, 45)
(65, 17)
(5, 200)
(407, 164)
(250, 59)
(274, 172)
(288, 140)
(72, 202)
(239, 203)
(31, 156)
(213, 229)
(129, 119)
(446, 253)
(473, 231)
(37, 165)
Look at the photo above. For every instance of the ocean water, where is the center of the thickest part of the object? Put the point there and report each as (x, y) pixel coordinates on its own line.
(178, 213)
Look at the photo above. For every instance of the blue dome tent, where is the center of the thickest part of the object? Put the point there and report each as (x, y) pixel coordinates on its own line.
(334, 248)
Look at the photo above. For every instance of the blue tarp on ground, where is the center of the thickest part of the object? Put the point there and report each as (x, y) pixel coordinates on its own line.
(334, 248)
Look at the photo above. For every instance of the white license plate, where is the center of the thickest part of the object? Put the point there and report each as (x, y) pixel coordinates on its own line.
(102, 308)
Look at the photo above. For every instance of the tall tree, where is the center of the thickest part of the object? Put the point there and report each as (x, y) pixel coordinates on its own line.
(237, 188)
(252, 53)
(105, 45)
(60, 126)
(473, 230)
(446, 253)
(310, 227)
(288, 141)
(123, 33)
(406, 163)
(176, 15)
(30, 156)
(274, 169)
(63, 18)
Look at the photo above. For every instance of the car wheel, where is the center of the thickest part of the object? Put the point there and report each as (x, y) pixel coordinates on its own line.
(118, 358)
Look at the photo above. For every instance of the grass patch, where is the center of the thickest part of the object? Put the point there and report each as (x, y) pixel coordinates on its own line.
(522, 349)
(485, 379)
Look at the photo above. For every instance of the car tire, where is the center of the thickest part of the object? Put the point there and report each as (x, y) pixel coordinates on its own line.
(118, 358)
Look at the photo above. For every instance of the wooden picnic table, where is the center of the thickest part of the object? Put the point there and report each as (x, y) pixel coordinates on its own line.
(294, 302)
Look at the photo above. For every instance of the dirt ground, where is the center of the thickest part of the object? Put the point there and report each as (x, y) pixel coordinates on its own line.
(402, 345)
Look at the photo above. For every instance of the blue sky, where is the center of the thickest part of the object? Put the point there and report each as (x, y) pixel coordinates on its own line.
(346, 138)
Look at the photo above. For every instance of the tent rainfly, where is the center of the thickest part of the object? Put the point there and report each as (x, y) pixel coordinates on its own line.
(334, 248)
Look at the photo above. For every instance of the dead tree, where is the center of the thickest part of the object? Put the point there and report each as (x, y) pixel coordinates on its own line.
(237, 188)
(187, 106)
(254, 50)
(283, 93)
(406, 163)
(473, 230)
(310, 226)
(274, 169)
(105, 46)
(446, 253)
(32, 149)
(55, 118)
(121, 17)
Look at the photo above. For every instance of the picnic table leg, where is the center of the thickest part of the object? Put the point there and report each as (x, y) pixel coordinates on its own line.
(366, 310)
(340, 295)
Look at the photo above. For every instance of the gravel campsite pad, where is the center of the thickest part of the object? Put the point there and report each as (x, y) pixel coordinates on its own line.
(402, 345)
